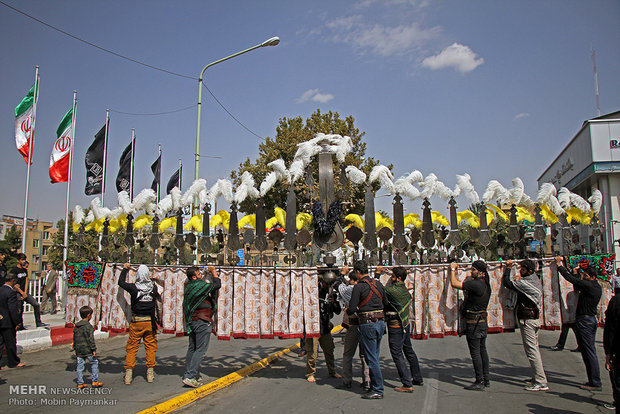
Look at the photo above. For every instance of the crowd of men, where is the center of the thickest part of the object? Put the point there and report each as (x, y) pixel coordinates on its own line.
(370, 309)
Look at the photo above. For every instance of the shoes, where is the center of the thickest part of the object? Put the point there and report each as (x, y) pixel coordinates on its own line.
(529, 380)
(609, 406)
(335, 375)
(476, 386)
(589, 387)
(42, 325)
(128, 376)
(576, 350)
(150, 374)
(537, 387)
(191, 382)
(556, 348)
(418, 383)
(365, 386)
(80, 386)
(345, 386)
(372, 396)
(97, 384)
(403, 389)
(487, 384)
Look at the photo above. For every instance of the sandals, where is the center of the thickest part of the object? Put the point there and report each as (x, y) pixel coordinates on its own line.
(82, 385)
(97, 384)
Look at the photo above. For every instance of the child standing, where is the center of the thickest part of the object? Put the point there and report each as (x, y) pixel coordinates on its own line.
(85, 348)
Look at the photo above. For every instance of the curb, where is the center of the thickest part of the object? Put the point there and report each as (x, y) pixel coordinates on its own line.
(41, 338)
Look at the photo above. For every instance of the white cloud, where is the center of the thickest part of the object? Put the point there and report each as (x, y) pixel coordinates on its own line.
(315, 95)
(460, 57)
(521, 115)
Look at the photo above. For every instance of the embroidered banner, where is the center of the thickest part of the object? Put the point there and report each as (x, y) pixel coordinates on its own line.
(602, 263)
(84, 277)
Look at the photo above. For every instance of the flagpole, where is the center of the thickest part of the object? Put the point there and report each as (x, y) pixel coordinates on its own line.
(133, 148)
(30, 149)
(159, 178)
(65, 249)
(180, 182)
(105, 154)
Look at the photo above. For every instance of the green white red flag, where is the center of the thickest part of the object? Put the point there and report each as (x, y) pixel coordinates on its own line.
(24, 123)
(61, 152)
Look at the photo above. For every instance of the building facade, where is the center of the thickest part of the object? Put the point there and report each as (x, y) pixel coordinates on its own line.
(592, 160)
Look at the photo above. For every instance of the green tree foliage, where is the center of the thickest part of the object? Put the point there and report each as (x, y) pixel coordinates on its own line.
(10, 246)
(81, 248)
(289, 133)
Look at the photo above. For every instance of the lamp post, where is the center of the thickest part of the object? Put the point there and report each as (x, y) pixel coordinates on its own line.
(269, 42)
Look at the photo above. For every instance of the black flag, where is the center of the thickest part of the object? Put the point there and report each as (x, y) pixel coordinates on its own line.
(94, 164)
(124, 173)
(175, 180)
(156, 168)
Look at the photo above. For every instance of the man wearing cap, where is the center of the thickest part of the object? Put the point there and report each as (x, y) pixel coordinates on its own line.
(477, 292)
(368, 300)
(589, 296)
(529, 302)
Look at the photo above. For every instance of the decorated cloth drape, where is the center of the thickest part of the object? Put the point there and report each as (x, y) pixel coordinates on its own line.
(282, 302)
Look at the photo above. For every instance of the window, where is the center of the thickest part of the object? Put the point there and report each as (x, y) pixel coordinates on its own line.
(46, 235)
(35, 243)
(45, 250)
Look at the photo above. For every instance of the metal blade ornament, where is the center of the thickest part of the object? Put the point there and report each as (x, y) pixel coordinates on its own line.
(428, 238)
(233, 230)
(310, 184)
(399, 241)
(290, 238)
(105, 240)
(596, 234)
(179, 240)
(80, 236)
(539, 228)
(261, 234)
(455, 236)
(154, 238)
(204, 244)
(343, 193)
(335, 239)
(129, 239)
(484, 239)
(513, 229)
(370, 227)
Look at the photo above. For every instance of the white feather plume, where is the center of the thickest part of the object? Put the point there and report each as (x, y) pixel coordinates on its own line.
(270, 180)
(98, 211)
(143, 200)
(279, 168)
(164, 206)
(203, 196)
(124, 202)
(464, 185)
(564, 198)
(547, 195)
(385, 177)
(116, 213)
(308, 149)
(223, 188)
(428, 186)
(355, 175)
(176, 196)
(90, 217)
(577, 201)
(343, 147)
(596, 200)
(193, 191)
(296, 170)
(517, 193)
(246, 189)
(405, 187)
(496, 191)
(78, 214)
(443, 191)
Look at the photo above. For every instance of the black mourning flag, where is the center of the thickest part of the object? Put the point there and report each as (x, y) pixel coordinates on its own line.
(124, 173)
(94, 164)
(156, 168)
(175, 180)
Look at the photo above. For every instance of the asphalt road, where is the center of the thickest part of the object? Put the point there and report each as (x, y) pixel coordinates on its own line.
(282, 388)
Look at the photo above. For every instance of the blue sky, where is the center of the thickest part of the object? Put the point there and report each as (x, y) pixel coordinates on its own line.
(492, 88)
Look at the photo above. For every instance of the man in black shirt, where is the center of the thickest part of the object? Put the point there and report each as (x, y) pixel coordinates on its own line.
(611, 344)
(477, 291)
(21, 289)
(529, 302)
(3, 269)
(368, 300)
(589, 296)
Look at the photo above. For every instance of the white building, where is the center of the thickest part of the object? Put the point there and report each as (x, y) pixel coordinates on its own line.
(592, 160)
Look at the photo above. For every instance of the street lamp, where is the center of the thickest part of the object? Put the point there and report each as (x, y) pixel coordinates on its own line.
(269, 42)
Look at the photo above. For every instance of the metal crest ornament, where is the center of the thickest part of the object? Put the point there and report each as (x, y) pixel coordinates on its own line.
(190, 239)
(335, 239)
(129, 239)
(204, 244)
(303, 238)
(290, 238)
(399, 241)
(370, 227)
(428, 238)
(539, 229)
(276, 236)
(385, 234)
(261, 234)
(513, 229)
(154, 238)
(248, 237)
(455, 236)
(354, 235)
(233, 230)
(179, 240)
(206, 231)
(484, 239)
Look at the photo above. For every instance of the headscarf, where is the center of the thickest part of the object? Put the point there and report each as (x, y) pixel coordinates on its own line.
(144, 284)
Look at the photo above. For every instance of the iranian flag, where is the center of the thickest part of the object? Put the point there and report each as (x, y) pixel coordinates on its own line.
(24, 123)
(61, 152)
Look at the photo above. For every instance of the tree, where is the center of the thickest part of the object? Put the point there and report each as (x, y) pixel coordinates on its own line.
(10, 246)
(289, 133)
